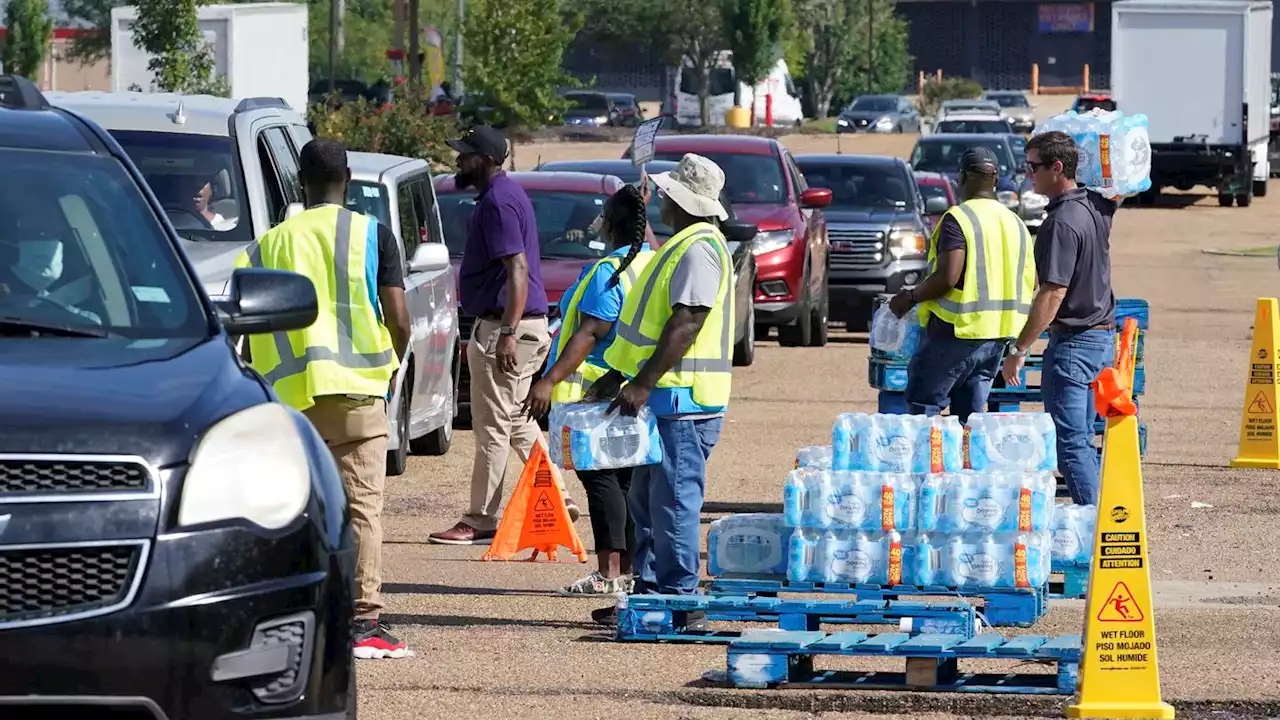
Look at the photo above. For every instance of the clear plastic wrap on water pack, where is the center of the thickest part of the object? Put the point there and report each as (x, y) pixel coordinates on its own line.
(751, 544)
(1010, 441)
(989, 560)
(897, 443)
(846, 556)
(814, 456)
(1073, 530)
(849, 499)
(1114, 150)
(584, 436)
(986, 502)
(895, 336)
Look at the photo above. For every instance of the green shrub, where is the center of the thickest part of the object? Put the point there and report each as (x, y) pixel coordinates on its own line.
(404, 127)
(938, 91)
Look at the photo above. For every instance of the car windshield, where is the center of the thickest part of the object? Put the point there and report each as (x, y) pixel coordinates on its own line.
(943, 156)
(369, 198)
(1010, 101)
(972, 126)
(874, 104)
(195, 179)
(1019, 145)
(723, 81)
(625, 101)
(81, 248)
(558, 214)
(587, 101)
(929, 191)
(1087, 104)
(748, 179)
(860, 187)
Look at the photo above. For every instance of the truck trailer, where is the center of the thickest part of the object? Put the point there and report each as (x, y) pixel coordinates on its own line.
(260, 48)
(1200, 70)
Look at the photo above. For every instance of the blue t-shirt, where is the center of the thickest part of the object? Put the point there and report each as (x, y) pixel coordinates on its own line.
(599, 301)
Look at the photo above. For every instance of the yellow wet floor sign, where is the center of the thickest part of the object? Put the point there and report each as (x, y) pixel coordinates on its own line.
(1259, 436)
(1119, 676)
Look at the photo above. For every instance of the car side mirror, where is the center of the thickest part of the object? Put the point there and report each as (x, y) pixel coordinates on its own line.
(815, 198)
(292, 211)
(739, 231)
(935, 206)
(264, 301)
(429, 257)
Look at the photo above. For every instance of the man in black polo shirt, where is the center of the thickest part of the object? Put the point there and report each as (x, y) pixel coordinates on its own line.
(1074, 302)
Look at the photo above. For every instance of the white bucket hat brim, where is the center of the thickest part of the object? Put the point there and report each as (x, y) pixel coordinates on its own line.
(673, 185)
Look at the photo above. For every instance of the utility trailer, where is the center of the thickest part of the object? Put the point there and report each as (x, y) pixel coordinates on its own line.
(1200, 70)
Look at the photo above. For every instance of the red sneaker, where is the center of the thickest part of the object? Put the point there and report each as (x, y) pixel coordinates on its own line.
(374, 642)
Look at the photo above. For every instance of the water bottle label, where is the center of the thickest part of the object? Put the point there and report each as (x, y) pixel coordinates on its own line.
(886, 507)
(1024, 510)
(893, 450)
(1066, 544)
(895, 564)
(983, 512)
(848, 509)
(935, 450)
(1104, 158)
(982, 569)
(566, 445)
(1020, 578)
(1017, 446)
(965, 454)
(852, 565)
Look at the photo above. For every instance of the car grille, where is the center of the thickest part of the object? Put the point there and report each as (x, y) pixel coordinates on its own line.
(856, 249)
(26, 476)
(55, 582)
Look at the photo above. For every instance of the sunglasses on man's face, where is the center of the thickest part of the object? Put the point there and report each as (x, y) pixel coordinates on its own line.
(1034, 166)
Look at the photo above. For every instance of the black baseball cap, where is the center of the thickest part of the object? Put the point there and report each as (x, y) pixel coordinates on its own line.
(482, 140)
(981, 160)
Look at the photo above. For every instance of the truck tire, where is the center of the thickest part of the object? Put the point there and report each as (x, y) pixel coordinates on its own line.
(1224, 201)
(1244, 200)
(1259, 188)
(744, 351)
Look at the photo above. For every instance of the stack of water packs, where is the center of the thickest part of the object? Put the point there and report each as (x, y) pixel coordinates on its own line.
(584, 436)
(1114, 150)
(913, 516)
(1073, 529)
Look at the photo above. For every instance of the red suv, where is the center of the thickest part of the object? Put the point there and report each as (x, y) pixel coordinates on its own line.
(766, 188)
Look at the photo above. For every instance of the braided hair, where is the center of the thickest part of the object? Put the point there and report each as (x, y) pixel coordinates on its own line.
(628, 219)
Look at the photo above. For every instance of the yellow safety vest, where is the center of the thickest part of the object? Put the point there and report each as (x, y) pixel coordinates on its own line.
(707, 366)
(347, 351)
(999, 274)
(572, 388)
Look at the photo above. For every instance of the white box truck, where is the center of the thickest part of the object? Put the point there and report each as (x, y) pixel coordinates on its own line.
(1200, 70)
(260, 48)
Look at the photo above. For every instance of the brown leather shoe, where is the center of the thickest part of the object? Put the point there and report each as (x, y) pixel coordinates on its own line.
(461, 534)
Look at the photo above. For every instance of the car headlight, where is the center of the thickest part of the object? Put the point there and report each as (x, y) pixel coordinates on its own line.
(767, 242)
(251, 465)
(884, 122)
(602, 119)
(907, 243)
(1034, 201)
(842, 122)
(1008, 198)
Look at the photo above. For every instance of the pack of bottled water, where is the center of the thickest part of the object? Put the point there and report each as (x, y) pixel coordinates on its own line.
(752, 543)
(986, 502)
(897, 443)
(846, 556)
(992, 560)
(1073, 529)
(847, 499)
(585, 436)
(897, 337)
(814, 456)
(1114, 150)
(1011, 441)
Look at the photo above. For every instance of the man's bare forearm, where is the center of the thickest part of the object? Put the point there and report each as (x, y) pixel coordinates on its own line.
(678, 334)
(1043, 310)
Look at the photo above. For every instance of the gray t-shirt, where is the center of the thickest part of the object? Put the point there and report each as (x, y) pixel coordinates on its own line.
(695, 283)
(1073, 249)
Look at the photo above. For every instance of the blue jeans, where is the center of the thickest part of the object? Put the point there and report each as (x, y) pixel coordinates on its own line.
(952, 371)
(666, 506)
(1071, 362)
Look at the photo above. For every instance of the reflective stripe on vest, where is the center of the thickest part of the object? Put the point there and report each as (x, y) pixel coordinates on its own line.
(961, 306)
(573, 387)
(344, 354)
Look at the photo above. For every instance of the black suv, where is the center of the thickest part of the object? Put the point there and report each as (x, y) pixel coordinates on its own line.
(875, 225)
(174, 542)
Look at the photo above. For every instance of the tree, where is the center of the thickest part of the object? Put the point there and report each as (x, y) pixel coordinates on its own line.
(696, 30)
(753, 29)
(30, 28)
(882, 65)
(513, 58)
(829, 27)
(169, 31)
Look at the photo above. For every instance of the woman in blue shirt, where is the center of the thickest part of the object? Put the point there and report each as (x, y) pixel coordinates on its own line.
(590, 308)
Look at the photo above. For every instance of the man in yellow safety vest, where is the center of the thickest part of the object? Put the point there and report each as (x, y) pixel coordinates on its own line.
(674, 349)
(338, 372)
(976, 298)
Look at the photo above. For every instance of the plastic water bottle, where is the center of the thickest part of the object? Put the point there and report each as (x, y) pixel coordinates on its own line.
(585, 436)
(851, 501)
(814, 456)
(924, 567)
(853, 558)
(929, 502)
(939, 444)
(801, 556)
(1072, 536)
(802, 497)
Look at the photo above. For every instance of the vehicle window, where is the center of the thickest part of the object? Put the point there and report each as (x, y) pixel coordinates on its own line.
(409, 224)
(422, 209)
(301, 135)
(197, 181)
(723, 81)
(271, 180)
(624, 101)
(797, 177)
(1010, 101)
(1018, 143)
(286, 161)
(928, 191)
(747, 178)
(874, 104)
(80, 246)
(943, 156)
(863, 187)
(424, 190)
(972, 126)
(1087, 104)
(557, 213)
(370, 199)
(791, 85)
(587, 101)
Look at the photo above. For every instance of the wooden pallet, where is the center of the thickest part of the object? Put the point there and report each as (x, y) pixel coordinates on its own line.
(764, 659)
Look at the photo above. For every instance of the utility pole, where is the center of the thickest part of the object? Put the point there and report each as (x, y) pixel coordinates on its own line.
(871, 56)
(415, 46)
(457, 49)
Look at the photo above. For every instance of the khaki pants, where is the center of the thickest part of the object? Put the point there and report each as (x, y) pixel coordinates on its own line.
(496, 417)
(356, 433)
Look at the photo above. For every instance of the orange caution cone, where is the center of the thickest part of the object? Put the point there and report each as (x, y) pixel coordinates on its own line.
(536, 517)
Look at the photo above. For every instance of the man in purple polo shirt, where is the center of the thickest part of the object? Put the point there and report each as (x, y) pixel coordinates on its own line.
(500, 283)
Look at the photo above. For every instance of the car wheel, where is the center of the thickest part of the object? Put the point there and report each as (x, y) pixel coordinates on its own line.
(820, 312)
(800, 333)
(1224, 200)
(398, 459)
(900, 129)
(1259, 188)
(438, 441)
(744, 352)
(1244, 200)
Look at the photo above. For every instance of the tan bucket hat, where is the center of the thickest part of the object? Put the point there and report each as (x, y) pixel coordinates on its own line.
(695, 186)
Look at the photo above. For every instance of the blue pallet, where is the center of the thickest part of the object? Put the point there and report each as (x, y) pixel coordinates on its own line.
(764, 659)
(651, 618)
(1002, 607)
(1074, 583)
(892, 376)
